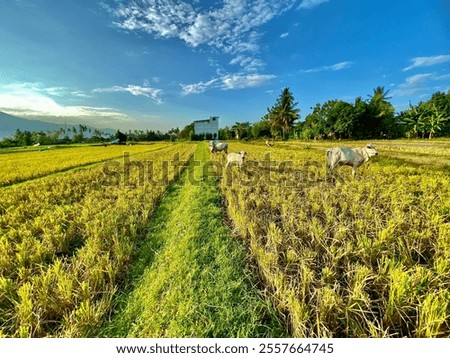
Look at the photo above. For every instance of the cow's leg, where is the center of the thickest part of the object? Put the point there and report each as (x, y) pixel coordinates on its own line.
(356, 166)
(329, 170)
(331, 167)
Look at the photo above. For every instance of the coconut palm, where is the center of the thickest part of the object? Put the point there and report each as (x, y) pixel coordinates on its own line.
(284, 114)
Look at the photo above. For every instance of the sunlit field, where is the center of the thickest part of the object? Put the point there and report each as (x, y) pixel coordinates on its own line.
(344, 257)
(66, 240)
(21, 165)
(119, 241)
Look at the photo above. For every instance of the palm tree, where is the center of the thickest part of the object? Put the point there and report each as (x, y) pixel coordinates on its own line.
(379, 104)
(380, 116)
(284, 114)
(96, 134)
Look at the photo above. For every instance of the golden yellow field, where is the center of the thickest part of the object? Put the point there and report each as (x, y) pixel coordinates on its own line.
(344, 257)
(66, 240)
(332, 256)
(24, 165)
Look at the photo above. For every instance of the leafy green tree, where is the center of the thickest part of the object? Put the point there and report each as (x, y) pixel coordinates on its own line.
(241, 130)
(430, 118)
(442, 102)
(22, 138)
(97, 136)
(225, 133)
(435, 120)
(332, 119)
(173, 133)
(187, 133)
(375, 117)
(283, 114)
(122, 137)
(261, 129)
(346, 117)
(413, 118)
(314, 124)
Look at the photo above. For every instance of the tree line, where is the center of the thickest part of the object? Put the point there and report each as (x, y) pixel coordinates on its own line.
(369, 118)
(375, 117)
(75, 134)
(83, 134)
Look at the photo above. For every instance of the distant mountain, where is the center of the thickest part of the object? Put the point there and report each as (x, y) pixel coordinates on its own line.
(9, 124)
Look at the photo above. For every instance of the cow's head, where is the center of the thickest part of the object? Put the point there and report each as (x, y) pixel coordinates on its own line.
(370, 150)
(243, 154)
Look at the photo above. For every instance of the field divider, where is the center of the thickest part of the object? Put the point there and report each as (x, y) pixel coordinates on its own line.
(191, 277)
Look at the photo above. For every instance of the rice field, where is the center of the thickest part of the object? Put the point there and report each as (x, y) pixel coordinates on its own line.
(66, 241)
(152, 240)
(344, 257)
(24, 165)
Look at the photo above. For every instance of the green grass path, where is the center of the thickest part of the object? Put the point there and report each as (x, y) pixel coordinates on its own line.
(191, 278)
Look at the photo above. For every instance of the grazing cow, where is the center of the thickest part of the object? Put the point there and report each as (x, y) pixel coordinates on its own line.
(218, 147)
(346, 156)
(269, 143)
(236, 158)
(211, 145)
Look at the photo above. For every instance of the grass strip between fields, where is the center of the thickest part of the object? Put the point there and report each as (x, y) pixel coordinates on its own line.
(191, 277)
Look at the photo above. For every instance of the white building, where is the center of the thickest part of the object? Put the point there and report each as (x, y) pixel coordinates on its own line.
(207, 126)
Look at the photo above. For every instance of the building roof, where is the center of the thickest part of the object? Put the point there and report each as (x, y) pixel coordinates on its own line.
(212, 118)
(202, 121)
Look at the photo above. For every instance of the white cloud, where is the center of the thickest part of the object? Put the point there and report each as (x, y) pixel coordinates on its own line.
(231, 28)
(197, 88)
(228, 82)
(309, 4)
(336, 67)
(248, 63)
(422, 82)
(427, 61)
(40, 88)
(32, 100)
(417, 79)
(442, 77)
(284, 35)
(238, 81)
(80, 94)
(152, 93)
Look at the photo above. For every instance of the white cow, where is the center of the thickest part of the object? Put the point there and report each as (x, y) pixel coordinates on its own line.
(211, 145)
(236, 158)
(269, 143)
(345, 156)
(218, 147)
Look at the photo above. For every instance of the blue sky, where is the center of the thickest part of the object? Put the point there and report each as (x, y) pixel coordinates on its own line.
(158, 64)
